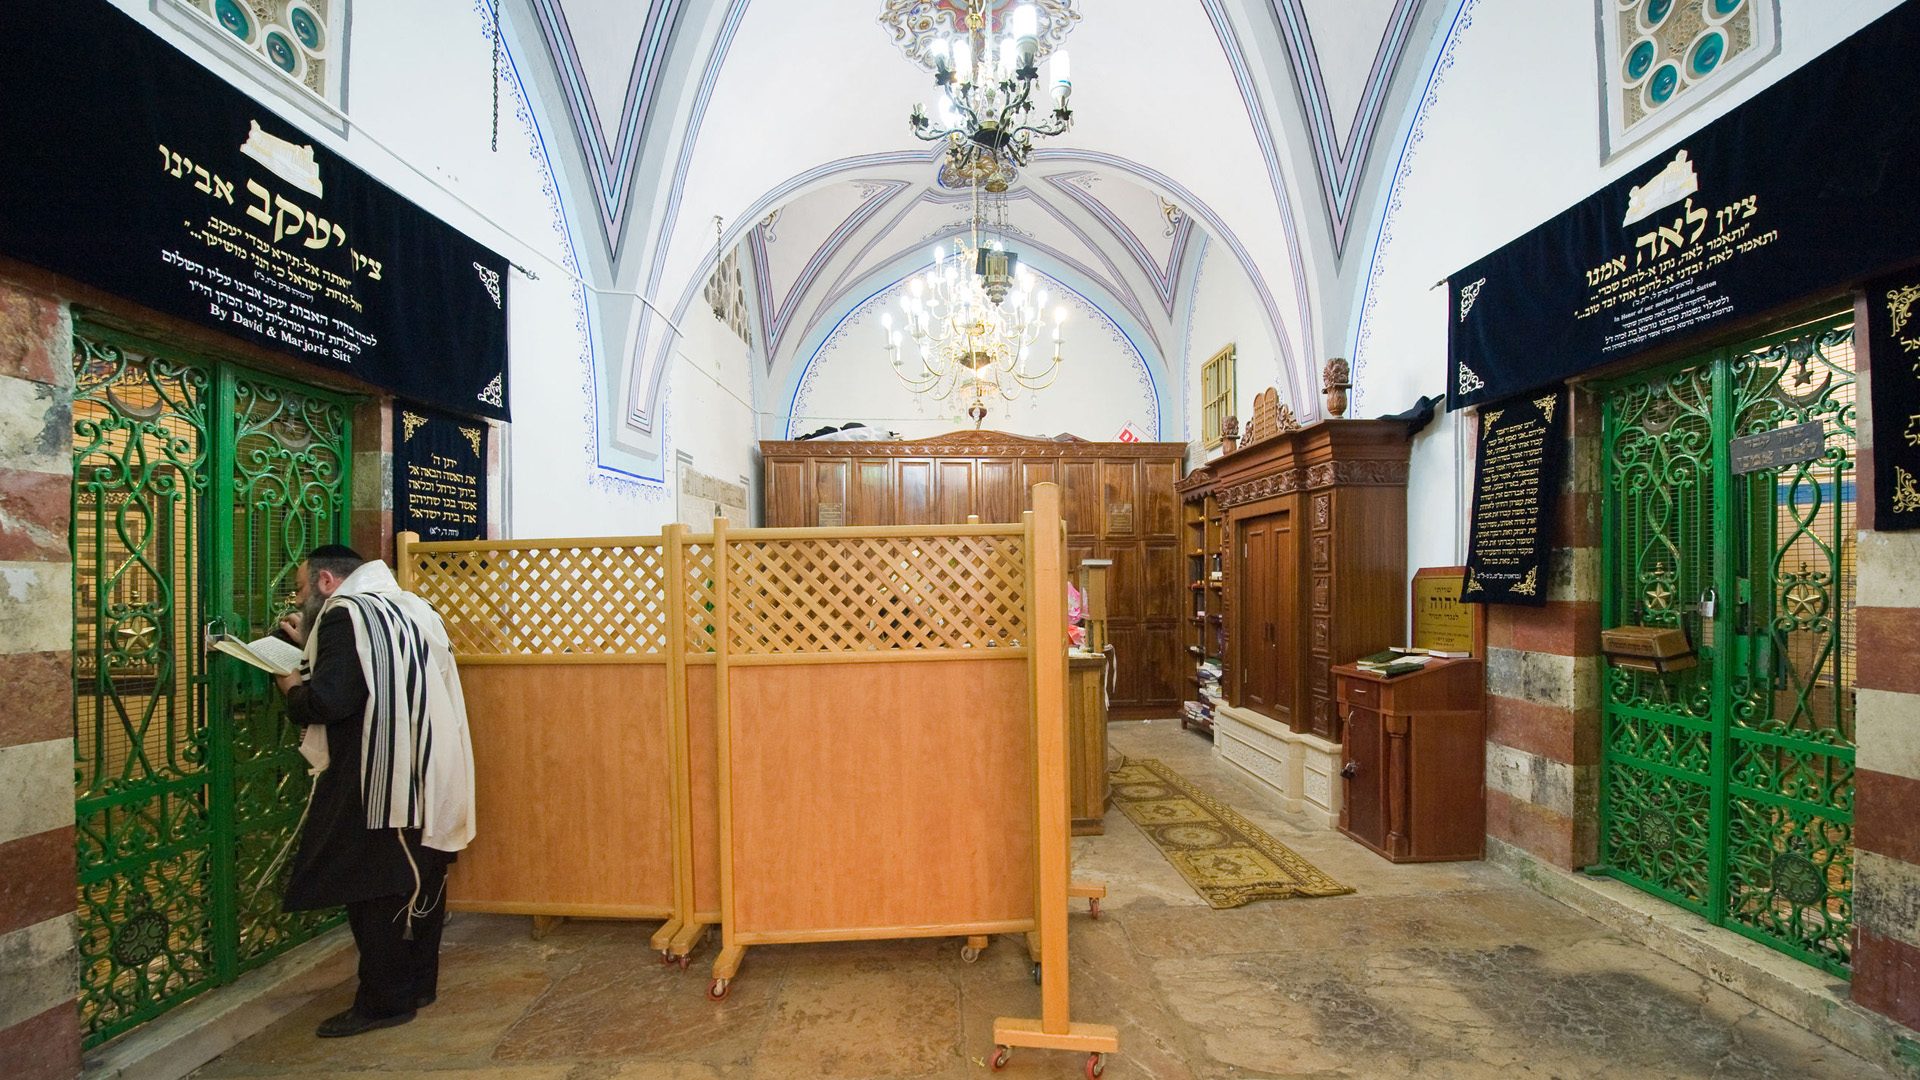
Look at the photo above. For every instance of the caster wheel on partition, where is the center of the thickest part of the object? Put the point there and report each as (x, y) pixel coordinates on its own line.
(1035, 972)
(968, 954)
(1096, 1064)
(684, 961)
(666, 957)
(718, 991)
(1000, 1058)
(1093, 908)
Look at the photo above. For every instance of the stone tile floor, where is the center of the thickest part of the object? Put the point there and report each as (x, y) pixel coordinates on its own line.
(1443, 971)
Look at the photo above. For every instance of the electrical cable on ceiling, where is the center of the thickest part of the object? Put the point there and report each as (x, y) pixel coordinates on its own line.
(496, 76)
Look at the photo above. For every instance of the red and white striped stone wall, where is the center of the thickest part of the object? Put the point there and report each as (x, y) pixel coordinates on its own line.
(1543, 680)
(39, 1022)
(1886, 831)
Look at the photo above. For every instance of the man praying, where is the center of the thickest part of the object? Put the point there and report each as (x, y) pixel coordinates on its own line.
(386, 734)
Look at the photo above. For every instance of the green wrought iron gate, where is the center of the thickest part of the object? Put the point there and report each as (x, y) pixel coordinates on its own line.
(1728, 788)
(198, 486)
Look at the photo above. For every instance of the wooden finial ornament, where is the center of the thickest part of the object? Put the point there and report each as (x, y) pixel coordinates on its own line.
(1337, 379)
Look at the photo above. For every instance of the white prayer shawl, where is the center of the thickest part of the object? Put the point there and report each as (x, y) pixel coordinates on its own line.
(416, 758)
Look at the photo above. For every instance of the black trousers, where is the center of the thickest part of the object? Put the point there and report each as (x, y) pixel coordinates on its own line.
(395, 973)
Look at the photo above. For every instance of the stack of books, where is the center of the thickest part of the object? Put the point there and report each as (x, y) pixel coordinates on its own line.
(1210, 681)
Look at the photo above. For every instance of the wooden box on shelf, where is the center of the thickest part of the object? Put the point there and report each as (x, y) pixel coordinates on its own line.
(1657, 649)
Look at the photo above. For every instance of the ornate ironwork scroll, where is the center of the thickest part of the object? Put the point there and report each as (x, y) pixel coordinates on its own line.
(197, 489)
(1728, 787)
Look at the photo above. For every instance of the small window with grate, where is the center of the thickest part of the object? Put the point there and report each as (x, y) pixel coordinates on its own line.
(1216, 395)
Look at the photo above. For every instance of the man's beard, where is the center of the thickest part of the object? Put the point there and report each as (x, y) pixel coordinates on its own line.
(310, 610)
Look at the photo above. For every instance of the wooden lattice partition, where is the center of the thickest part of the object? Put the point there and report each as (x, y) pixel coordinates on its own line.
(800, 734)
(572, 661)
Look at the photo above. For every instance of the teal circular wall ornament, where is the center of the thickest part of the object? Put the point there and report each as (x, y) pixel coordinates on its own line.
(306, 27)
(1662, 84)
(1721, 9)
(1639, 61)
(235, 19)
(1706, 53)
(1655, 12)
(279, 49)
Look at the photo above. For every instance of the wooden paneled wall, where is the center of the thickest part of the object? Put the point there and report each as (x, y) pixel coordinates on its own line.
(1120, 505)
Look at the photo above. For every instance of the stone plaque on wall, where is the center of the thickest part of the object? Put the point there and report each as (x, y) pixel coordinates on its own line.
(703, 498)
(1440, 620)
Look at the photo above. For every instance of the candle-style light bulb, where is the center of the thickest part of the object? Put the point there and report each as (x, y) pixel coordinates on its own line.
(1062, 70)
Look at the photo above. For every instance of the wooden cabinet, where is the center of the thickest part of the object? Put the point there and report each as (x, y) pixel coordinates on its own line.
(1119, 503)
(1087, 743)
(1205, 613)
(1316, 526)
(1415, 761)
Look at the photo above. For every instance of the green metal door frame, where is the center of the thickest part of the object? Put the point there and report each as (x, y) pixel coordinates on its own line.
(120, 988)
(1776, 850)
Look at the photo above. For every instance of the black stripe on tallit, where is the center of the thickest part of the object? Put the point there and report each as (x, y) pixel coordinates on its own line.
(397, 693)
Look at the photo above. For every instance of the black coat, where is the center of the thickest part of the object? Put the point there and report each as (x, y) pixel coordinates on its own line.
(339, 859)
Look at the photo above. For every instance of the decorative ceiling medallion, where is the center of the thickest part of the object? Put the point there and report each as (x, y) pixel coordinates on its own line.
(916, 24)
(994, 174)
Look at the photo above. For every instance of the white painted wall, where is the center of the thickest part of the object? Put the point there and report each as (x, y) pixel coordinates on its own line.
(709, 405)
(1508, 138)
(1103, 383)
(1226, 312)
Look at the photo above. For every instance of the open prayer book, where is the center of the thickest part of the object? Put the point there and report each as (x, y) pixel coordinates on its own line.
(1391, 662)
(275, 656)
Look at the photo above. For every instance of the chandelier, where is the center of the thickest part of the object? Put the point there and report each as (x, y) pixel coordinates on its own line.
(986, 84)
(970, 323)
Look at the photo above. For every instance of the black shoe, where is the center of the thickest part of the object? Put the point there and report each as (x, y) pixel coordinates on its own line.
(352, 1022)
(424, 1000)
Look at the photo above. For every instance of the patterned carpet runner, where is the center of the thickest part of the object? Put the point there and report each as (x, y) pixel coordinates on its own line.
(1227, 859)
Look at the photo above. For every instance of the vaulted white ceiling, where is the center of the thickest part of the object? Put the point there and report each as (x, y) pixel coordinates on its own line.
(1256, 121)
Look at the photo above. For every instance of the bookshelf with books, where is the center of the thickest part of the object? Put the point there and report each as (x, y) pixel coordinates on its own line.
(1205, 585)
